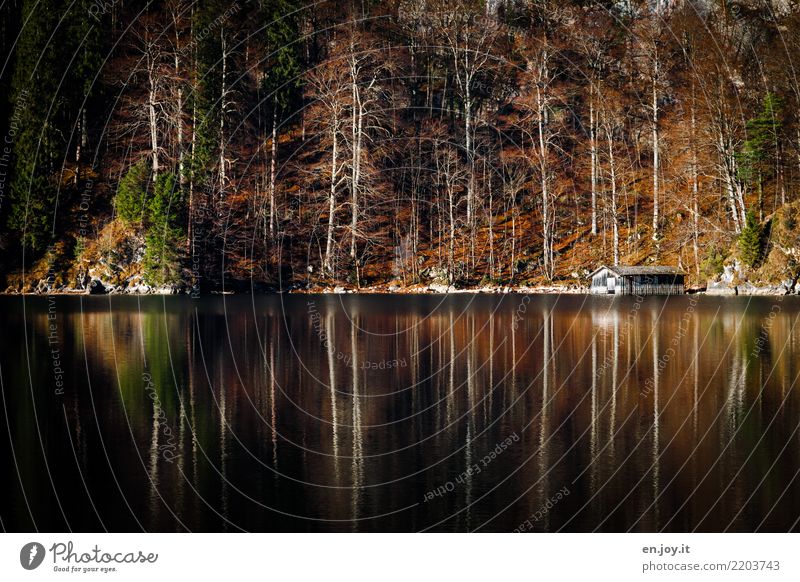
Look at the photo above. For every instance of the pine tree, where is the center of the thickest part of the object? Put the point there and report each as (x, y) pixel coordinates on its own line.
(164, 232)
(750, 240)
(85, 44)
(757, 158)
(218, 93)
(38, 143)
(213, 77)
(283, 63)
(9, 27)
(132, 193)
(57, 61)
(281, 83)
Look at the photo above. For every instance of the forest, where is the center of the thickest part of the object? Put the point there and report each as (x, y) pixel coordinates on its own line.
(267, 145)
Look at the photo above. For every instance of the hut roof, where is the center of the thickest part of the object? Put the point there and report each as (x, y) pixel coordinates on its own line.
(623, 270)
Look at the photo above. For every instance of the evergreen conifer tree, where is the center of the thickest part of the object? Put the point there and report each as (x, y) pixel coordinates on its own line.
(750, 241)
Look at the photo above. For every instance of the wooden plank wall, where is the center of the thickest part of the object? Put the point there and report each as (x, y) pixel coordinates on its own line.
(653, 285)
(640, 285)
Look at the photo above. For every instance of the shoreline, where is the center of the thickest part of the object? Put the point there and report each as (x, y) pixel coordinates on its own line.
(750, 291)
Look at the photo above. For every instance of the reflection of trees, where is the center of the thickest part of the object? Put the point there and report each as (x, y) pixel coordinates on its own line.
(252, 417)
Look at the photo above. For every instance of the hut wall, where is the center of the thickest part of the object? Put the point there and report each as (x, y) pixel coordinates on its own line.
(637, 284)
(600, 282)
(654, 285)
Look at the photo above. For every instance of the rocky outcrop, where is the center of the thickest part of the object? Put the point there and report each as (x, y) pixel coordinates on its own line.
(747, 288)
(734, 280)
(720, 288)
(441, 288)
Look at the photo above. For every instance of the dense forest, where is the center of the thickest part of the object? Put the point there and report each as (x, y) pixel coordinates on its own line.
(306, 144)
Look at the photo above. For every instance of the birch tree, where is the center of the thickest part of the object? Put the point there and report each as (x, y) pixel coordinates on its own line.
(611, 127)
(453, 180)
(365, 69)
(469, 40)
(281, 83)
(535, 120)
(152, 64)
(328, 89)
(653, 58)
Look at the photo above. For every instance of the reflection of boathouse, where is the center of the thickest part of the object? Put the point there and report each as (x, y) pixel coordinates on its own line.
(655, 280)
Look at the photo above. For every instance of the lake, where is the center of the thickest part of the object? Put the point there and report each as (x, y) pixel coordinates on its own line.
(400, 413)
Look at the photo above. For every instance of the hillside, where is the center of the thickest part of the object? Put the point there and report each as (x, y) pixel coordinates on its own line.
(190, 146)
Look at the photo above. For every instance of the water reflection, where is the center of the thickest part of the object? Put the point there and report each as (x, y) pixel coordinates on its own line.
(346, 413)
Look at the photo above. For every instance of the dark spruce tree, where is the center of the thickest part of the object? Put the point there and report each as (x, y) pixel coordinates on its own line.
(761, 146)
(750, 241)
(215, 23)
(281, 85)
(38, 144)
(57, 60)
(86, 45)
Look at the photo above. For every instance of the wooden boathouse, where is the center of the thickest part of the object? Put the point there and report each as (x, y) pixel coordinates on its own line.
(625, 280)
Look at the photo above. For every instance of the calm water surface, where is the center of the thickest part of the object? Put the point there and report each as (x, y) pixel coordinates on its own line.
(400, 413)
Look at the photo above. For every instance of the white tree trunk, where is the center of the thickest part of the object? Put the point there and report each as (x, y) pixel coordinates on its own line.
(547, 234)
(190, 229)
(175, 11)
(355, 132)
(179, 123)
(695, 190)
(151, 113)
(613, 179)
(593, 155)
(655, 156)
(734, 190)
(468, 129)
(452, 242)
(223, 108)
(272, 161)
(332, 199)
